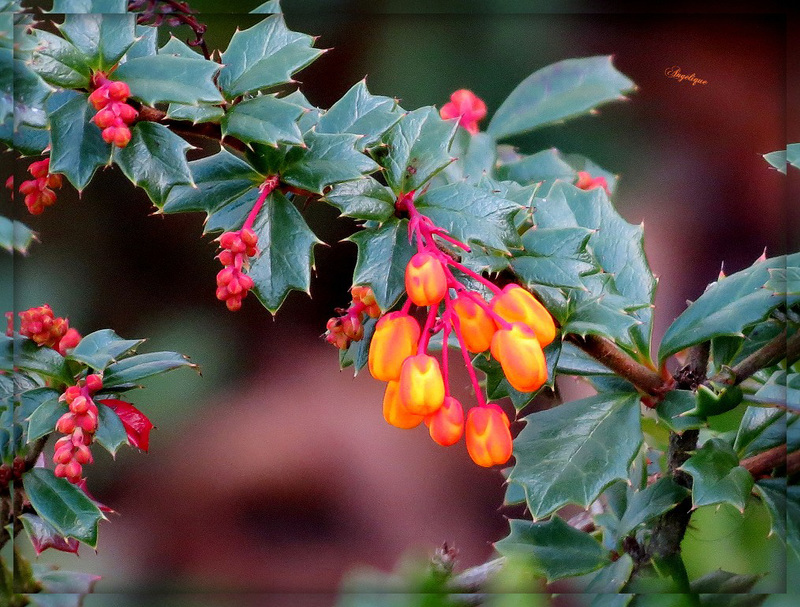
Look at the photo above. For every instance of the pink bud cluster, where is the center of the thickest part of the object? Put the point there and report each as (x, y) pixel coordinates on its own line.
(38, 191)
(349, 327)
(232, 283)
(41, 325)
(79, 424)
(113, 114)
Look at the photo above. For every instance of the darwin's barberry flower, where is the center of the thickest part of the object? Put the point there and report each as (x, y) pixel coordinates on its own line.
(113, 114)
(467, 107)
(446, 424)
(349, 327)
(477, 325)
(394, 412)
(520, 354)
(587, 182)
(232, 283)
(487, 435)
(516, 304)
(421, 384)
(38, 192)
(426, 282)
(41, 325)
(395, 339)
(79, 424)
(366, 297)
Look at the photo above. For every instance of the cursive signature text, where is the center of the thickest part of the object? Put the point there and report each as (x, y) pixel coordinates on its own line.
(675, 72)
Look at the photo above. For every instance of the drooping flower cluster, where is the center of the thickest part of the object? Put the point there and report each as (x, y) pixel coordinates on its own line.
(513, 326)
(349, 326)
(38, 192)
(467, 107)
(113, 114)
(79, 424)
(232, 283)
(41, 325)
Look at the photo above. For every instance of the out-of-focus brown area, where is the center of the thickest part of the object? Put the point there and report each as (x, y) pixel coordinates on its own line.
(278, 471)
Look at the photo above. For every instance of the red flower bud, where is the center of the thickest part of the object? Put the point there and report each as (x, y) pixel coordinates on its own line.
(446, 425)
(353, 328)
(80, 405)
(40, 168)
(99, 98)
(520, 354)
(477, 326)
(122, 136)
(393, 410)
(70, 340)
(127, 113)
(487, 435)
(467, 107)
(395, 339)
(421, 384)
(66, 423)
(118, 90)
(104, 118)
(94, 382)
(426, 283)
(515, 304)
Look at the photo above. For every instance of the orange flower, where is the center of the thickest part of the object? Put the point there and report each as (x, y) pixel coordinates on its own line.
(515, 304)
(521, 357)
(421, 384)
(446, 425)
(426, 283)
(393, 410)
(467, 107)
(477, 327)
(487, 435)
(395, 339)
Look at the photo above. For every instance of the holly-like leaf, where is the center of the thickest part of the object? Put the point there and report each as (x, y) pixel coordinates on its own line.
(135, 368)
(781, 389)
(42, 420)
(195, 113)
(360, 113)
(756, 421)
(43, 535)
(793, 155)
(718, 477)
(270, 7)
(264, 56)
(170, 79)
(553, 548)
(136, 424)
(612, 578)
(728, 306)
(475, 157)
(773, 492)
(571, 453)
(146, 43)
(674, 408)
(26, 355)
(724, 582)
(784, 281)
(364, 199)
(546, 165)
(102, 38)
(264, 119)
(417, 148)
(574, 361)
(357, 354)
(58, 62)
(155, 160)
(77, 146)
(557, 92)
(15, 235)
(582, 163)
(471, 214)
(30, 400)
(777, 160)
(383, 254)
(102, 347)
(287, 252)
(111, 434)
(63, 505)
(653, 501)
(89, 6)
(555, 256)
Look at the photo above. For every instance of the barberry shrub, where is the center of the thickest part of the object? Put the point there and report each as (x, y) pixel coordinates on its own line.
(512, 263)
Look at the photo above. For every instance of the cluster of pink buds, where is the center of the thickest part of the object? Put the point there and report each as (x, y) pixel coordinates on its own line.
(113, 114)
(41, 325)
(587, 182)
(38, 191)
(232, 283)
(11, 472)
(349, 325)
(79, 424)
(467, 107)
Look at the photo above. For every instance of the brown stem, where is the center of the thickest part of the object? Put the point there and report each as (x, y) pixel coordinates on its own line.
(771, 353)
(606, 352)
(206, 130)
(34, 451)
(764, 463)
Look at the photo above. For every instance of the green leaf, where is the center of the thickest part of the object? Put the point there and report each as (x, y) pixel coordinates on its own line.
(582, 163)
(793, 154)
(574, 361)
(55, 581)
(553, 548)
(645, 505)
(777, 160)
(43, 420)
(111, 433)
(102, 347)
(26, 355)
(195, 113)
(780, 389)
(135, 368)
(287, 252)
(58, 62)
(89, 6)
(570, 453)
(327, 160)
(555, 256)
(170, 79)
(784, 281)
(383, 254)
(774, 493)
(146, 43)
(727, 307)
(264, 119)
(63, 505)
(155, 160)
(546, 165)
(757, 421)
(557, 92)
(475, 157)
(364, 199)
(360, 113)
(270, 7)
(264, 56)
(15, 235)
(612, 578)
(357, 354)
(718, 477)
(674, 410)
(103, 39)
(471, 214)
(724, 582)
(77, 146)
(417, 148)
(611, 600)
(31, 399)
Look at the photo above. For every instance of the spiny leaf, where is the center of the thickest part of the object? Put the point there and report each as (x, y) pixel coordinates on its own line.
(26, 355)
(89, 6)
(110, 433)
(558, 92)
(546, 165)
(15, 235)
(264, 56)
(287, 252)
(136, 424)
(364, 199)
(58, 62)
(102, 38)
(555, 256)
(264, 119)
(777, 160)
(757, 421)
(653, 501)
(43, 535)
(100, 348)
(718, 477)
(136, 368)
(475, 157)
(170, 79)
(612, 578)
(674, 409)
(42, 420)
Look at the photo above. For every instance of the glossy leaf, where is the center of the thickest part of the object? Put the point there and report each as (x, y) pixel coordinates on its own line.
(774, 492)
(155, 160)
(136, 424)
(102, 347)
(582, 163)
(170, 79)
(138, 367)
(475, 157)
(570, 453)
(264, 56)
(111, 434)
(755, 422)
(777, 160)
(77, 146)
(781, 389)
(718, 477)
(784, 281)
(195, 113)
(29, 400)
(612, 578)
(417, 148)
(264, 119)
(24, 354)
(58, 62)
(56, 582)
(270, 7)
(89, 6)
(42, 420)
(555, 256)
(574, 361)
(653, 501)
(15, 235)
(357, 354)
(558, 92)
(43, 535)
(546, 165)
(287, 252)
(553, 548)
(727, 307)
(364, 199)
(674, 408)
(102, 38)
(724, 582)
(383, 254)
(62, 505)
(146, 43)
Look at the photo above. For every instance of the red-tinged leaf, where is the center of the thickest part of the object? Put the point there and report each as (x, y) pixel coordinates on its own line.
(83, 487)
(44, 536)
(136, 423)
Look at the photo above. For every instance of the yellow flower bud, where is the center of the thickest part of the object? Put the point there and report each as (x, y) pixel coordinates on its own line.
(421, 384)
(521, 357)
(395, 339)
(515, 304)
